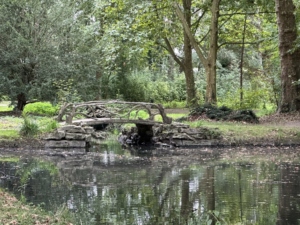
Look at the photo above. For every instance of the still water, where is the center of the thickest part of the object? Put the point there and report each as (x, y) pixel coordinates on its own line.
(110, 185)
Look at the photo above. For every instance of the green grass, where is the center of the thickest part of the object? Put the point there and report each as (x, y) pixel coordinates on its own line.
(9, 134)
(4, 106)
(239, 132)
(174, 104)
(139, 114)
(11, 126)
(172, 115)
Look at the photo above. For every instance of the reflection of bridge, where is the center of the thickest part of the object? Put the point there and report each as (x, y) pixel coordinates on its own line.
(106, 112)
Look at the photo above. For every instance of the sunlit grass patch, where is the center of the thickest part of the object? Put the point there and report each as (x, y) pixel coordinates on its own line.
(174, 116)
(175, 104)
(10, 122)
(4, 106)
(9, 134)
(9, 127)
(139, 114)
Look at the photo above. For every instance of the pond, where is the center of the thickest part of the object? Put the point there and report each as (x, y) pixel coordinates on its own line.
(111, 185)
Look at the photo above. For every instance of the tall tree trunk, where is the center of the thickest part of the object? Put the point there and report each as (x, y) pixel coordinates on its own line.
(289, 57)
(188, 61)
(211, 71)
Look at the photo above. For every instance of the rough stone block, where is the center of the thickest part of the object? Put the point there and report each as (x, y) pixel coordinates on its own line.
(88, 130)
(72, 129)
(58, 135)
(75, 136)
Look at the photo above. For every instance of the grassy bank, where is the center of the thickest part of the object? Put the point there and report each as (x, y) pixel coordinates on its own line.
(14, 212)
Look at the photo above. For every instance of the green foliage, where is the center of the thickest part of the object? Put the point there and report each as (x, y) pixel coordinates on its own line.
(146, 86)
(139, 114)
(252, 99)
(47, 124)
(174, 104)
(66, 91)
(29, 127)
(40, 108)
(117, 50)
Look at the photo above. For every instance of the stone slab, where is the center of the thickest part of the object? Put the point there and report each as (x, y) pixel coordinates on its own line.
(75, 136)
(58, 135)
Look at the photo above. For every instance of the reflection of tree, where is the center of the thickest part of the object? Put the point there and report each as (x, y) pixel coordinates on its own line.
(289, 188)
(186, 205)
(210, 191)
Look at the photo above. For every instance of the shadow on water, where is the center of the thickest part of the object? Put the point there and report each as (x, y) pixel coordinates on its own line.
(112, 185)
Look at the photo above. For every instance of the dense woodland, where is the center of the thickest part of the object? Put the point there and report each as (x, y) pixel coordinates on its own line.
(242, 54)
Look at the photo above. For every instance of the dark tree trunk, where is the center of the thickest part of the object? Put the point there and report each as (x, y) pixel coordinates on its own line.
(289, 57)
(21, 101)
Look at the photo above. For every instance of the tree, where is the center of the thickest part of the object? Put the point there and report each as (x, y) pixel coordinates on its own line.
(46, 45)
(209, 62)
(289, 56)
(29, 48)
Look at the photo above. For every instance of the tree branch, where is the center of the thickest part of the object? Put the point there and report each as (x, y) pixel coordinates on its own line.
(173, 54)
(239, 43)
(189, 34)
(246, 13)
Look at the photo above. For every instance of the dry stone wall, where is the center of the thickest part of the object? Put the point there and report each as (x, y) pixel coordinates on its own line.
(71, 136)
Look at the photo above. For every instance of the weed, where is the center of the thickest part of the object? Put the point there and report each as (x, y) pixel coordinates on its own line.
(14, 212)
(47, 124)
(29, 127)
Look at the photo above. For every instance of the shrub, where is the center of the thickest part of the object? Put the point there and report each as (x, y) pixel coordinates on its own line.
(47, 124)
(41, 108)
(29, 127)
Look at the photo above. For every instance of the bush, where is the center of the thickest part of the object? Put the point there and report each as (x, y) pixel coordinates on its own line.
(29, 128)
(41, 108)
(47, 124)
(224, 113)
(174, 104)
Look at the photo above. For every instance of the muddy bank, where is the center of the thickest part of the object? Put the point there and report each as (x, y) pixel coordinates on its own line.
(144, 156)
(37, 144)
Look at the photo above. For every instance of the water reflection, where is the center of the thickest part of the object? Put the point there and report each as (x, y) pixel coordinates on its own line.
(169, 190)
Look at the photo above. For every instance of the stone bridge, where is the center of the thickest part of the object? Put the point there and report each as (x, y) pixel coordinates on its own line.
(105, 112)
(75, 118)
(81, 122)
